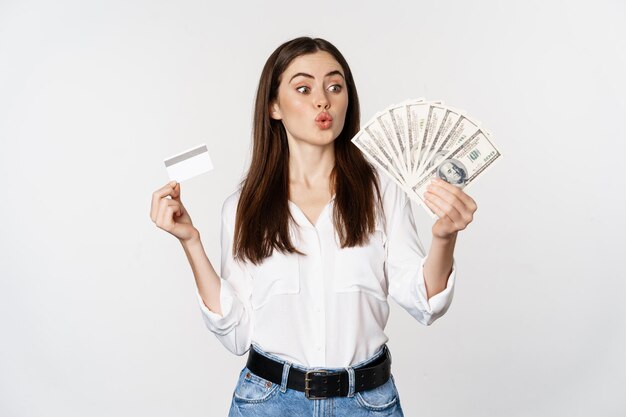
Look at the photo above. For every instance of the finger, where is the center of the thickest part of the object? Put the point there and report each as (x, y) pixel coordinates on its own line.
(436, 209)
(466, 199)
(176, 192)
(157, 196)
(451, 199)
(169, 224)
(463, 203)
(167, 209)
(164, 191)
(449, 209)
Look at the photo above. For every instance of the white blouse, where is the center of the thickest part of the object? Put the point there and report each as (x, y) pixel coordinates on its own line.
(329, 308)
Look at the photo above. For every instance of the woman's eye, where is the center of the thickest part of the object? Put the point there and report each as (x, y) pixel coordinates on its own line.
(302, 89)
(335, 88)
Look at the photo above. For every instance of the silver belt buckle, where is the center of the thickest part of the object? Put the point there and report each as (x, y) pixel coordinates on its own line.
(306, 384)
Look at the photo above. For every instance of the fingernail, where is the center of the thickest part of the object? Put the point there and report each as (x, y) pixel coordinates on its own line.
(173, 183)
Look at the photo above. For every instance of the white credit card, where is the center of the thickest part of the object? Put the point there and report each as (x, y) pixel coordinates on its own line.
(189, 163)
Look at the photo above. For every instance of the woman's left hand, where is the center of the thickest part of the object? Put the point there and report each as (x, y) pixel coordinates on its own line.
(454, 208)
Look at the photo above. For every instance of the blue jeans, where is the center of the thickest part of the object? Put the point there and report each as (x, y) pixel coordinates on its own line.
(258, 397)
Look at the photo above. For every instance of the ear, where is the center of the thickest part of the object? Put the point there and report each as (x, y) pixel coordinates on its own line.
(275, 111)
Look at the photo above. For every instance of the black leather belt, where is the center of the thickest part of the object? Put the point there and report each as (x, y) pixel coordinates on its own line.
(320, 383)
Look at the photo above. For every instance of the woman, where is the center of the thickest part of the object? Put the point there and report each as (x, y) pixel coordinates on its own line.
(313, 242)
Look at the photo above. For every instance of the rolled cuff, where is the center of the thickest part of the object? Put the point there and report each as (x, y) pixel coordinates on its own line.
(439, 303)
(231, 311)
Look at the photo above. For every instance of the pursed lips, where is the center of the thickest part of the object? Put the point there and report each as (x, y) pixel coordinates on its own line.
(323, 117)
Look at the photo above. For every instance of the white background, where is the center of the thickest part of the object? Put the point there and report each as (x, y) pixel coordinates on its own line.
(98, 314)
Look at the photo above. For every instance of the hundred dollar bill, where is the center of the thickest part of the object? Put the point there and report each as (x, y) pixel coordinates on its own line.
(462, 165)
(376, 131)
(463, 129)
(417, 114)
(448, 122)
(433, 122)
(392, 133)
(399, 114)
(369, 147)
(413, 141)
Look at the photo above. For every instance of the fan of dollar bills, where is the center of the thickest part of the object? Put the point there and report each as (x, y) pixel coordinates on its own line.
(416, 140)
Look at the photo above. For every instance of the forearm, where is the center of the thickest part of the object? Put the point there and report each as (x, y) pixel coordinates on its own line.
(438, 265)
(207, 280)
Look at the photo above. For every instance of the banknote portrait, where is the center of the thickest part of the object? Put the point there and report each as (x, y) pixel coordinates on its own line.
(453, 172)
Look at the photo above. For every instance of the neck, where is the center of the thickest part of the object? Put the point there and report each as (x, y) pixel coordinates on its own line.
(310, 166)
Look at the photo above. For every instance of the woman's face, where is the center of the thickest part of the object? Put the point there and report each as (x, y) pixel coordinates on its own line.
(312, 99)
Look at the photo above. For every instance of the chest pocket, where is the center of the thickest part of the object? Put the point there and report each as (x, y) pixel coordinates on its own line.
(360, 268)
(277, 275)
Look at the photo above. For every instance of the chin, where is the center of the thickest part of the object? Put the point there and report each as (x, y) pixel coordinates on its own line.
(322, 138)
(321, 142)
(329, 137)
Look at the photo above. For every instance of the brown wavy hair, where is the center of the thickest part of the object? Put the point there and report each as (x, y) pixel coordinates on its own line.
(262, 221)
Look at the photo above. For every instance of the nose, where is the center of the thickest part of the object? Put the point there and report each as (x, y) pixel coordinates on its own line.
(321, 101)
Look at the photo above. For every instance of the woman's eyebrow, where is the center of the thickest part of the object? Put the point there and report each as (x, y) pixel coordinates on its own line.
(304, 74)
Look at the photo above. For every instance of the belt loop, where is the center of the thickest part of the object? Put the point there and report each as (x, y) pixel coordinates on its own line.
(350, 381)
(283, 385)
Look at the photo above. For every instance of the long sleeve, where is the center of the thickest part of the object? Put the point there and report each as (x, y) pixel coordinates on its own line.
(234, 327)
(405, 258)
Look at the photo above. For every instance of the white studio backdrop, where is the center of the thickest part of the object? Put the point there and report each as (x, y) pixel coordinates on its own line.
(98, 314)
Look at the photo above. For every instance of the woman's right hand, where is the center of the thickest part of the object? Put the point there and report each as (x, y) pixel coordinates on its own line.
(170, 215)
